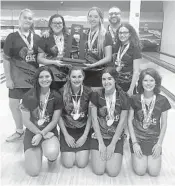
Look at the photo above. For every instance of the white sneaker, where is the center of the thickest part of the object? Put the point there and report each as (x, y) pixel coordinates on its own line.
(14, 137)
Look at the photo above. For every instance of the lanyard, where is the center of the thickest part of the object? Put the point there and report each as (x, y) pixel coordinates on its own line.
(110, 104)
(76, 102)
(59, 40)
(42, 112)
(29, 44)
(121, 53)
(92, 38)
(147, 115)
(112, 34)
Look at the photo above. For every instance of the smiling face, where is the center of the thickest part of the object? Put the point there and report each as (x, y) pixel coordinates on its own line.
(45, 79)
(148, 83)
(76, 78)
(114, 15)
(57, 25)
(26, 20)
(93, 18)
(108, 82)
(123, 34)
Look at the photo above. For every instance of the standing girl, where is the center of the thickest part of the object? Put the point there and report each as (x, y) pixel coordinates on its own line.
(98, 48)
(41, 109)
(127, 59)
(20, 64)
(52, 49)
(75, 122)
(147, 123)
(109, 113)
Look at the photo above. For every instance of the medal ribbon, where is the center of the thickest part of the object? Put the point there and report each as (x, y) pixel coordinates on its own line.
(121, 53)
(76, 102)
(147, 115)
(29, 45)
(91, 39)
(59, 40)
(110, 104)
(112, 34)
(42, 112)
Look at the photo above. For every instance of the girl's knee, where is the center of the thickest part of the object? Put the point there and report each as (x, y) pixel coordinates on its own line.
(51, 154)
(153, 172)
(67, 162)
(113, 173)
(33, 170)
(140, 171)
(82, 163)
(98, 170)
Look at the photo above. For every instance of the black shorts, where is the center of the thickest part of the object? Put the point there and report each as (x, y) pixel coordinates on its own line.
(93, 78)
(146, 147)
(76, 134)
(28, 139)
(118, 147)
(17, 93)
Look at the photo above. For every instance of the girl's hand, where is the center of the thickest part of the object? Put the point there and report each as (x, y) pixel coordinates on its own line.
(110, 151)
(102, 150)
(36, 139)
(45, 34)
(81, 141)
(130, 93)
(70, 141)
(157, 149)
(137, 150)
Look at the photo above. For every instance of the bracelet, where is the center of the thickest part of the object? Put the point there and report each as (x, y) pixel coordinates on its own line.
(134, 143)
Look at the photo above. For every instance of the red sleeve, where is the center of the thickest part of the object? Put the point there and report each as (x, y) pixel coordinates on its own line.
(58, 104)
(166, 105)
(94, 98)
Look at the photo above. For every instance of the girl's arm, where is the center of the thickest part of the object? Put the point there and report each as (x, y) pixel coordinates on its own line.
(53, 123)
(136, 67)
(163, 127)
(62, 127)
(130, 125)
(26, 120)
(7, 71)
(88, 125)
(120, 127)
(106, 59)
(96, 124)
(42, 60)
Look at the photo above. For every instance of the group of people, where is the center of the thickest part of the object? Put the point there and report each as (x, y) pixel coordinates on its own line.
(90, 120)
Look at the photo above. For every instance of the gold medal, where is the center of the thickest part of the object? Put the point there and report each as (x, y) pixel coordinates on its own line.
(110, 122)
(118, 68)
(41, 121)
(76, 116)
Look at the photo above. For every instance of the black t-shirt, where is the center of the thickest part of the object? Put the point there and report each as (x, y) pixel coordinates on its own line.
(125, 75)
(31, 104)
(48, 45)
(16, 48)
(93, 55)
(153, 131)
(84, 106)
(122, 103)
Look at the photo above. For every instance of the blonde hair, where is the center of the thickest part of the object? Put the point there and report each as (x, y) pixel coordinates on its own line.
(102, 30)
(30, 11)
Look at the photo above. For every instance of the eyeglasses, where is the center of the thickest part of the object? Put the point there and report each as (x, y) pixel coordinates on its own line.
(57, 23)
(120, 33)
(114, 13)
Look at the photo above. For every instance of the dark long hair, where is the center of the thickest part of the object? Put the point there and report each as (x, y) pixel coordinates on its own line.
(37, 88)
(67, 87)
(153, 73)
(134, 38)
(65, 32)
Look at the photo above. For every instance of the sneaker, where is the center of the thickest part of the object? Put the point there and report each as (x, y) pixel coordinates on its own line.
(14, 137)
